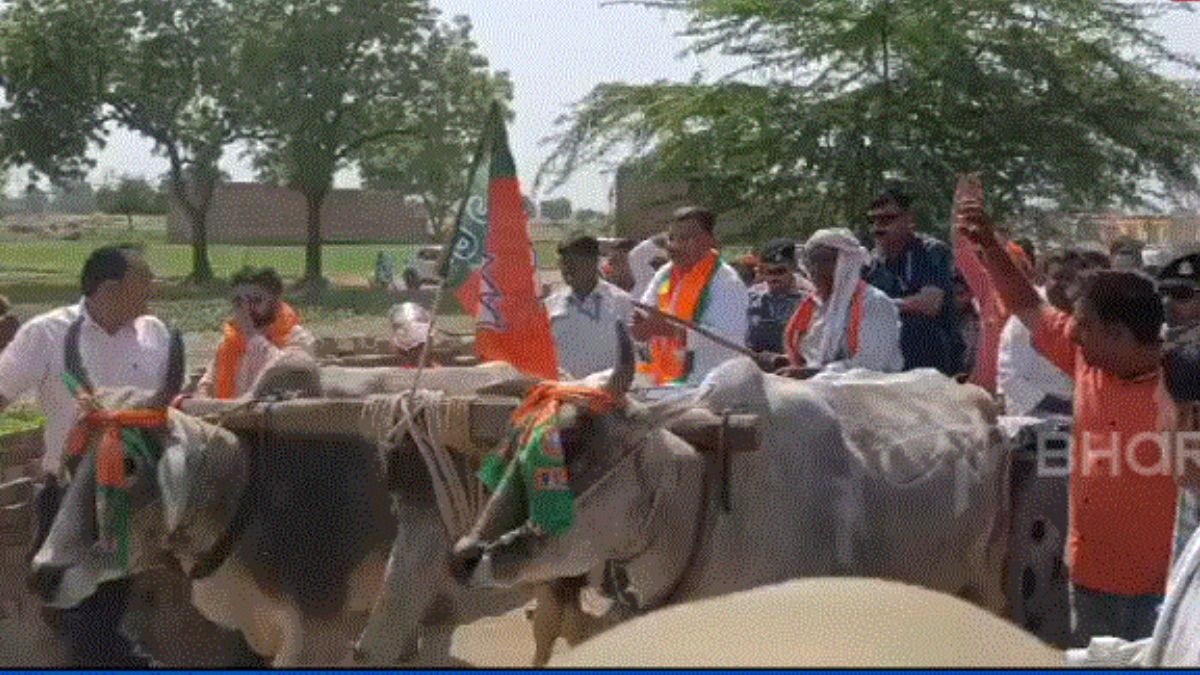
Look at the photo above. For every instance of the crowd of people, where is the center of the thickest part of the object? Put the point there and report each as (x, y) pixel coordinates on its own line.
(1070, 332)
(1076, 332)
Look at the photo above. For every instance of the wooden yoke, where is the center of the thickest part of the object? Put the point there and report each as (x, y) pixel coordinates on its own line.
(338, 417)
(489, 415)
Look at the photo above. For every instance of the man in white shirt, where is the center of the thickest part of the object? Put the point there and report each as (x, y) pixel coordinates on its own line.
(262, 329)
(846, 323)
(645, 259)
(583, 314)
(695, 286)
(1030, 384)
(119, 346)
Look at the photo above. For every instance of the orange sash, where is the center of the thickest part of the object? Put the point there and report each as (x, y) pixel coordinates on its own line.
(680, 296)
(800, 322)
(233, 348)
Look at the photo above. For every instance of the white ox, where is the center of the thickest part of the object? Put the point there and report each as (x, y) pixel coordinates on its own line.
(822, 622)
(907, 481)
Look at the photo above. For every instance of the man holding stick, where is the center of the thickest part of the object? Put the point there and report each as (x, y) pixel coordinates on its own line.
(695, 286)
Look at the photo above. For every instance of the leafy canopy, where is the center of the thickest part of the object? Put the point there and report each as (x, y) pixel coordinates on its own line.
(1057, 102)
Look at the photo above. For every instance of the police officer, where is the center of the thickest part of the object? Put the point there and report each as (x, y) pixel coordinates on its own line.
(773, 300)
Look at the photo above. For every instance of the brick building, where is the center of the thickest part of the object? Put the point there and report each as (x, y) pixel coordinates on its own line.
(257, 213)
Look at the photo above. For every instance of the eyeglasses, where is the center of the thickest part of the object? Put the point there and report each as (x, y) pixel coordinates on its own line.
(1178, 293)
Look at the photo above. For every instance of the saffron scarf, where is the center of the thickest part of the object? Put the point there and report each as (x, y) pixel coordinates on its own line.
(801, 321)
(233, 348)
(681, 295)
(123, 433)
(538, 469)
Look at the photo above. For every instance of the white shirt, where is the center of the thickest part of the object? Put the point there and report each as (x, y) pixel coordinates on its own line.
(878, 338)
(1023, 375)
(134, 356)
(585, 330)
(724, 313)
(260, 352)
(639, 263)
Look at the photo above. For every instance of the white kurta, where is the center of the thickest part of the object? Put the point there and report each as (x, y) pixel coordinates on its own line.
(260, 352)
(878, 338)
(585, 328)
(724, 313)
(1023, 375)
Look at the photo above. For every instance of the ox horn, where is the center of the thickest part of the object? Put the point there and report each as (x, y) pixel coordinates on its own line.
(622, 376)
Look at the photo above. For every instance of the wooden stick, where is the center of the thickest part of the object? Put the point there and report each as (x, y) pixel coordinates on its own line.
(698, 329)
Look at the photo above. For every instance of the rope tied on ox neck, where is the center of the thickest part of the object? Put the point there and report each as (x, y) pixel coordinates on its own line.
(123, 433)
(533, 461)
(438, 425)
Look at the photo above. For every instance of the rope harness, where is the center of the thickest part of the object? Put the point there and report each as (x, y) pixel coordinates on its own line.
(435, 423)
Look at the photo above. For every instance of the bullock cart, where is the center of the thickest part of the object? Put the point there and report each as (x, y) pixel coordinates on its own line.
(475, 405)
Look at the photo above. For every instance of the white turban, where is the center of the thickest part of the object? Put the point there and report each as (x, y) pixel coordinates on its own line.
(410, 325)
(852, 258)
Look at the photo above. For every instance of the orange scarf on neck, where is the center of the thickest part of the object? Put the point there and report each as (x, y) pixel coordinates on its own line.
(679, 296)
(233, 348)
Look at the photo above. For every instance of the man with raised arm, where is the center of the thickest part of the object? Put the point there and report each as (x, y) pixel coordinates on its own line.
(1122, 488)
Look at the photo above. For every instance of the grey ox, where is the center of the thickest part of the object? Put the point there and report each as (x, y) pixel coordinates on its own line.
(903, 477)
(283, 541)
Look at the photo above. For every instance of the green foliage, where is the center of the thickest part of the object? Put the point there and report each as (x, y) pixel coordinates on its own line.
(19, 419)
(74, 68)
(323, 79)
(556, 209)
(1056, 103)
(131, 196)
(448, 112)
(76, 197)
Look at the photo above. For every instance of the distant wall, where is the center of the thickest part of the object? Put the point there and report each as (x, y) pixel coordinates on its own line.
(256, 213)
(644, 205)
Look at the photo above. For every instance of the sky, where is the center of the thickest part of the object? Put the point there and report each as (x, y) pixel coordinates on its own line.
(556, 51)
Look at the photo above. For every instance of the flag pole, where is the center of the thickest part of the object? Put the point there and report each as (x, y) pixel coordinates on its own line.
(448, 247)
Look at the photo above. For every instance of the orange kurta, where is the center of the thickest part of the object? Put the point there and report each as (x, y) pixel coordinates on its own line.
(1122, 510)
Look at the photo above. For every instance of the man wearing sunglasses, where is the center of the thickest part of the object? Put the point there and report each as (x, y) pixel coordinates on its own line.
(773, 301)
(263, 326)
(916, 271)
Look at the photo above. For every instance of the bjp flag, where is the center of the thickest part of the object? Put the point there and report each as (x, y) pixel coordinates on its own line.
(490, 268)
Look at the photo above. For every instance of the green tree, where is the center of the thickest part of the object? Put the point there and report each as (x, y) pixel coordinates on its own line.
(589, 216)
(556, 209)
(74, 68)
(73, 196)
(1056, 103)
(129, 197)
(323, 79)
(449, 112)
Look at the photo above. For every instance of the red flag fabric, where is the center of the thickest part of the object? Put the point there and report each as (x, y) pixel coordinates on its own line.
(492, 268)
